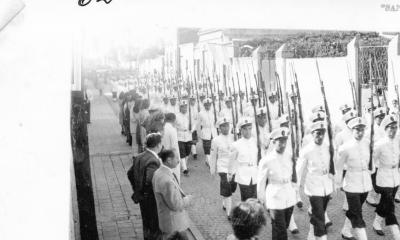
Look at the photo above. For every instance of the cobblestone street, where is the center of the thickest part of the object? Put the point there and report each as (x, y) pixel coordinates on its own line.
(119, 218)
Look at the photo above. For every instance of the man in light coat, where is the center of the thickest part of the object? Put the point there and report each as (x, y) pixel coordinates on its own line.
(171, 201)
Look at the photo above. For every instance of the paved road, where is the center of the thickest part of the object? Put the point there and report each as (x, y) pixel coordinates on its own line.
(117, 214)
(118, 218)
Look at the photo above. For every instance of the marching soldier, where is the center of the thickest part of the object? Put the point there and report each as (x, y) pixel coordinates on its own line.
(173, 108)
(314, 160)
(386, 157)
(226, 112)
(165, 105)
(220, 162)
(379, 114)
(244, 160)
(357, 180)
(261, 118)
(206, 128)
(279, 194)
(195, 116)
(343, 136)
(184, 135)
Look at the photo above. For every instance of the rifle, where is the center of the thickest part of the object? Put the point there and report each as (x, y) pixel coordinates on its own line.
(296, 125)
(245, 84)
(279, 93)
(235, 100)
(294, 152)
(233, 119)
(254, 102)
(213, 101)
(189, 108)
(353, 90)
(240, 99)
(267, 106)
(219, 95)
(296, 83)
(371, 143)
(329, 127)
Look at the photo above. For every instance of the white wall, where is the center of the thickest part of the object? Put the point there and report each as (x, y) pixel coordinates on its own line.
(393, 68)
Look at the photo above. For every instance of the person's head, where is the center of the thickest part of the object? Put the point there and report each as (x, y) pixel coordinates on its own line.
(379, 115)
(358, 127)
(228, 103)
(271, 98)
(183, 107)
(284, 121)
(153, 142)
(245, 126)
(165, 100)
(318, 116)
(348, 116)
(389, 123)
(207, 104)
(192, 101)
(223, 125)
(318, 130)
(170, 118)
(168, 158)
(279, 139)
(173, 101)
(261, 117)
(248, 218)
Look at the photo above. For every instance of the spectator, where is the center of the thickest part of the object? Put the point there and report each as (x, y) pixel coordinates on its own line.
(170, 198)
(248, 218)
(140, 176)
(170, 139)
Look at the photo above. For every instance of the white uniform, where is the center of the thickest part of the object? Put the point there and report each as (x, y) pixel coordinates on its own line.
(244, 157)
(386, 158)
(355, 154)
(182, 125)
(315, 159)
(280, 192)
(221, 148)
(206, 126)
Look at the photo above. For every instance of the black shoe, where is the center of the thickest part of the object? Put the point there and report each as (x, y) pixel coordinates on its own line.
(372, 204)
(379, 232)
(299, 204)
(295, 231)
(186, 172)
(195, 156)
(328, 224)
(348, 238)
(397, 200)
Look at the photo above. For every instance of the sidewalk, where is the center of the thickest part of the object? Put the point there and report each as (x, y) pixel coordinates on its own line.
(118, 218)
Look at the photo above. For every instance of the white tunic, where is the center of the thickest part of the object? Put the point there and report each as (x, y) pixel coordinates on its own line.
(182, 125)
(386, 158)
(206, 125)
(221, 148)
(244, 161)
(355, 154)
(315, 160)
(226, 113)
(277, 169)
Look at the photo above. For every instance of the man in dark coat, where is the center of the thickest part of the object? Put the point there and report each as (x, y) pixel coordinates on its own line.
(140, 176)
